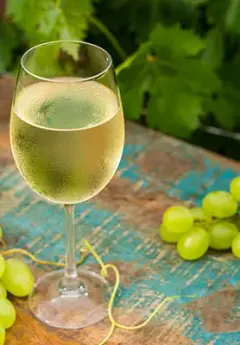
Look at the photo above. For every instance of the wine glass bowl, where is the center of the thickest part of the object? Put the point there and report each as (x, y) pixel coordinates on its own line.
(67, 137)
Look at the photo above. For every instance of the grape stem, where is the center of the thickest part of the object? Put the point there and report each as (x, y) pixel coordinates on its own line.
(104, 273)
(112, 39)
(213, 220)
(24, 252)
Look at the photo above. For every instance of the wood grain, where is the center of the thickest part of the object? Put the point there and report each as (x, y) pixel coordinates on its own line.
(156, 171)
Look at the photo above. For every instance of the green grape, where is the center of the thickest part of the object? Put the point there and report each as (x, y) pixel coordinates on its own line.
(17, 278)
(3, 291)
(169, 236)
(235, 188)
(7, 313)
(222, 234)
(2, 265)
(198, 213)
(1, 232)
(2, 335)
(178, 219)
(219, 204)
(193, 244)
(236, 246)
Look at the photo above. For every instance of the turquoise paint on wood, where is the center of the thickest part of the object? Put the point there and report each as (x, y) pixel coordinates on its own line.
(35, 223)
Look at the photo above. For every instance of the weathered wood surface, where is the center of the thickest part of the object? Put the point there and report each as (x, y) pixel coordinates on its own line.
(155, 172)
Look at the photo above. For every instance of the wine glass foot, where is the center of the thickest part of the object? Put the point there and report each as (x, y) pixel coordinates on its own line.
(70, 311)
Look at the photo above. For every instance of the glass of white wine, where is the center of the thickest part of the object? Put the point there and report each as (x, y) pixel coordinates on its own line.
(67, 137)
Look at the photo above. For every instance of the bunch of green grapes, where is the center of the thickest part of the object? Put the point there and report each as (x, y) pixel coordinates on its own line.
(214, 225)
(17, 279)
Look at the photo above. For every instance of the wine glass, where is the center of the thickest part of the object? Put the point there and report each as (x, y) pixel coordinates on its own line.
(67, 137)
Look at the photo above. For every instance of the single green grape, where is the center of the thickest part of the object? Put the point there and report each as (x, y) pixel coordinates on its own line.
(2, 335)
(219, 204)
(177, 219)
(193, 244)
(17, 278)
(169, 236)
(198, 213)
(3, 291)
(235, 188)
(7, 313)
(2, 265)
(236, 246)
(222, 234)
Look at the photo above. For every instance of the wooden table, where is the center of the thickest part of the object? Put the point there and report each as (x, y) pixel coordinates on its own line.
(122, 224)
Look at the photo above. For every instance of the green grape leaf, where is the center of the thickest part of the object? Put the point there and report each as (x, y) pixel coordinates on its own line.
(8, 41)
(142, 11)
(176, 41)
(225, 14)
(132, 103)
(139, 55)
(231, 93)
(172, 109)
(15, 8)
(134, 82)
(135, 77)
(196, 2)
(170, 70)
(214, 49)
(74, 23)
(223, 111)
(158, 11)
(48, 22)
(230, 72)
(21, 12)
(216, 12)
(198, 76)
(233, 16)
(71, 49)
(75, 18)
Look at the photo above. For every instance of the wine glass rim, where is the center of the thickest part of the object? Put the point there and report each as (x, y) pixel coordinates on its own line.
(96, 76)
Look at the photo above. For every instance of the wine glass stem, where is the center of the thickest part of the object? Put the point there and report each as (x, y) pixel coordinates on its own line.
(70, 266)
(71, 282)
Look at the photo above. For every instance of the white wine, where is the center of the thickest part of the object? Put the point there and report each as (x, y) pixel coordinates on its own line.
(67, 138)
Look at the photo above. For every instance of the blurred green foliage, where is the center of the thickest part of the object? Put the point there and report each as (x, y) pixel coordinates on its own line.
(178, 61)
